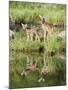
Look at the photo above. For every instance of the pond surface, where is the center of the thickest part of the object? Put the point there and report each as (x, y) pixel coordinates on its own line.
(36, 70)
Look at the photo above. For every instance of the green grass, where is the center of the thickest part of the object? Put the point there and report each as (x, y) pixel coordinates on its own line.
(52, 44)
(29, 12)
(54, 13)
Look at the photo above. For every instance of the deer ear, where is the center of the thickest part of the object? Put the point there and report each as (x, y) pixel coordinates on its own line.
(40, 16)
(26, 25)
(22, 24)
(43, 17)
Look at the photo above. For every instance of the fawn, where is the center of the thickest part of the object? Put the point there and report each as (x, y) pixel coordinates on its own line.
(31, 63)
(47, 28)
(31, 32)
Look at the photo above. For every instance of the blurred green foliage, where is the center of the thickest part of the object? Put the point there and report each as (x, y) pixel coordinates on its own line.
(54, 13)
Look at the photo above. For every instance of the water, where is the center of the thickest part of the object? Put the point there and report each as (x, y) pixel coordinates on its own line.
(36, 70)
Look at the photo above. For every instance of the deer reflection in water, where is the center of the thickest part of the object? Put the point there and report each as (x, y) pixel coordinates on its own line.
(32, 64)
(44, 71)
(24, 72)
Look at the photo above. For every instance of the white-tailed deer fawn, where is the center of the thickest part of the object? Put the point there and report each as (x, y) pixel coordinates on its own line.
(47, 28)
(31, 32)
(31, 63)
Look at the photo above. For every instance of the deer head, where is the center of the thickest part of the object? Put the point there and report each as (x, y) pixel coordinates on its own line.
(42, 18)
(24, 26)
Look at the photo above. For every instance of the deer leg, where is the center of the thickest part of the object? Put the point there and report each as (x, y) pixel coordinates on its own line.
(44, 59)
(46, 35)
(31, 36)
(28, 59)
(37, 37)
(27, 36)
